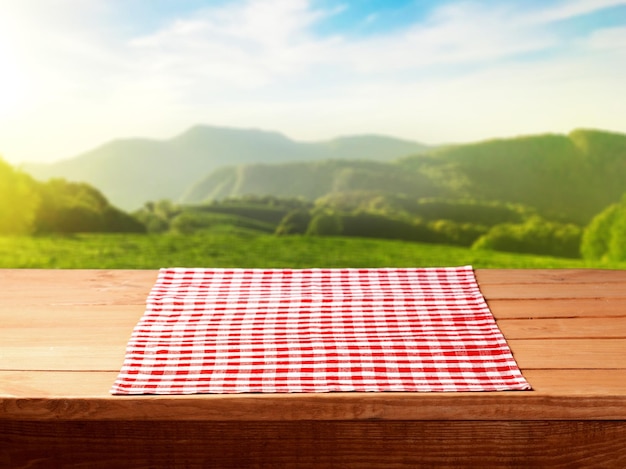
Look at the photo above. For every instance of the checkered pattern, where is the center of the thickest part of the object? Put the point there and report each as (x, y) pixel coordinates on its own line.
(316, 330)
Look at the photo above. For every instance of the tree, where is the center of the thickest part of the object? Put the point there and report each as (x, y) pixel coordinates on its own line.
(295, 222)
(325, 224)
(535, 236)
(18, 201)
(375, 225)
(450, 232)
(57, 206)
(605, 237)
(156, 216)
(76, 207)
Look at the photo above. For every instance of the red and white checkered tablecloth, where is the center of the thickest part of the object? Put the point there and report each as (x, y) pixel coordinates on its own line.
(316, 330)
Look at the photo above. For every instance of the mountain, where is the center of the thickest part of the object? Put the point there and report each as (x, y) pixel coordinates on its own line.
(564, 177)
(131, 172)
(310, 180)
(570, 177)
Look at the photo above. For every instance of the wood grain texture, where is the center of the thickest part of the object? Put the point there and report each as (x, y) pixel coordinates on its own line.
(87, 316)
(557, 308)
(63, 357)
(563, 328)
(88, 355)
(96, 384)
(62, 342)
(337, 406)
(555, 291)
(73, 287)
(523, 277)
(569, 353)
(313, 444)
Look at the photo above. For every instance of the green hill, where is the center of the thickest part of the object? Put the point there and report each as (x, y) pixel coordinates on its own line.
(309, 180)
(29, 207)
(133, 171)
(569, 177)
(563, 177)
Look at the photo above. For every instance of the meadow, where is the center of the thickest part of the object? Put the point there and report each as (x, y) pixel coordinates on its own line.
(240, 248)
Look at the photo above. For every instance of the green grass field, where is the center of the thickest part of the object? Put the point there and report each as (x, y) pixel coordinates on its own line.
(253, 250)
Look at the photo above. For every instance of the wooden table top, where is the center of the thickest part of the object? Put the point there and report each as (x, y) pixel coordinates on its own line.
(63, 335)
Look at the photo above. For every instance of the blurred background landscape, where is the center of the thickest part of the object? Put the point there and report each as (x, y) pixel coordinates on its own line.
(293, 133)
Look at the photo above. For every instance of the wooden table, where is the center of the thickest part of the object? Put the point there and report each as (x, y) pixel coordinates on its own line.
(62, 341)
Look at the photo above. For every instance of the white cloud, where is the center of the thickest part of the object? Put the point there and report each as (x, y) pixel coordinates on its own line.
(260, 40)
(247, 44)
(608, 39)
(467, 71)
(454, 35)
(571, 8)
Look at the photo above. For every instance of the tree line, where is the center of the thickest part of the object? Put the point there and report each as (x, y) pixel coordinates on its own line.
(28, 206)
(469, 223)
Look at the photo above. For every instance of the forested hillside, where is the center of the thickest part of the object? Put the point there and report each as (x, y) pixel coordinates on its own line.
(605, 238)
(133, 171)
(564, 178)
(309, 180)
(570, 177)
(366, 214)
(557, 195)
(56, 206)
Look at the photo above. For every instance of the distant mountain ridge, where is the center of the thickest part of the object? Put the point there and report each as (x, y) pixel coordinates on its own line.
(564, 177)
(131, 172)
(572, 177)
(309, 180)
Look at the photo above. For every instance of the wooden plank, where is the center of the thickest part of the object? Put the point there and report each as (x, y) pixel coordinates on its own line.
(549, 276)
(63, 357)
(84, 353)
(96, 348)
(557, 308)
(39, 384)
(563, 328)
(569, 353)
(313, 444)
(556, 291)
(73, 287)
(107, 354)
(80, 316)
(558, 394)
(44, 279)
(72, 384)
(578, 382)
(92, 315)
(92, 287)
(41, 282)
(526, 405)
(96, 337)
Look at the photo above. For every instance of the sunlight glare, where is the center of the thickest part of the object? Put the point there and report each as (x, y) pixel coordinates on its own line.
(13, 83)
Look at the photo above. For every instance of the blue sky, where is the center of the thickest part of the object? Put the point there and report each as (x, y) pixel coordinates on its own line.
(77, 73)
